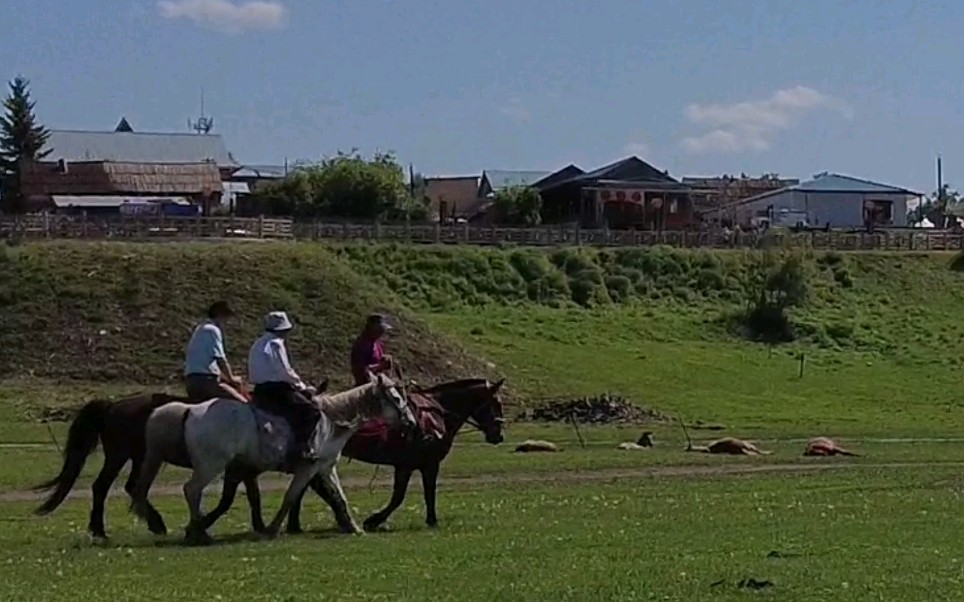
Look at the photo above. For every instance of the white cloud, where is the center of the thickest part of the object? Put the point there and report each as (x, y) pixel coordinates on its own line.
(752, 125)
(516, 111)
(640, 149)
(226, 16)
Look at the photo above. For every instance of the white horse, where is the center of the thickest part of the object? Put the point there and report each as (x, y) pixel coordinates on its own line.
(210, 436)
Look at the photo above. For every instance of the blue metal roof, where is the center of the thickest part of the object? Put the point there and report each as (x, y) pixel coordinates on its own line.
(832, 182)
(262, 171)
(499, 179)
(138, 147)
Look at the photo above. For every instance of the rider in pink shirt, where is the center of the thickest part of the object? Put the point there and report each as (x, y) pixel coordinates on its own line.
(368, 353)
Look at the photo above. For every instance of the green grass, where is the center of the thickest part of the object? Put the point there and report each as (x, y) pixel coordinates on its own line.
(883, 350)
(860, 535)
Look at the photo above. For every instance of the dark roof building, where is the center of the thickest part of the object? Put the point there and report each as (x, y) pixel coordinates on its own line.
(629, 193)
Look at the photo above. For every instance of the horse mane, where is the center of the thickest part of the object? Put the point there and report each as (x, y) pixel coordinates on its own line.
(349, 407)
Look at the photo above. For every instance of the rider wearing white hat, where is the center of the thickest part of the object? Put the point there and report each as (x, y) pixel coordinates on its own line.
(277, 384)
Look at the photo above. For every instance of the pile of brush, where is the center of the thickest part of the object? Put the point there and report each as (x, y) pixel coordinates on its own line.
(602, 409)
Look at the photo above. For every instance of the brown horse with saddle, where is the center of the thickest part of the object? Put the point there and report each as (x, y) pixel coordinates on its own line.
(441, 412)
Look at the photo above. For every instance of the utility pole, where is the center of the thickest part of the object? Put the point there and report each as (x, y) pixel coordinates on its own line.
(940, 193)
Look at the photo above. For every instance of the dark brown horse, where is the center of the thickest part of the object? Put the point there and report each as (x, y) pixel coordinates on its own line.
(119, 427)
(442, 410)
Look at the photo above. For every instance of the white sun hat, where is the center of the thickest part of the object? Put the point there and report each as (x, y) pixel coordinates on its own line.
(277, 321)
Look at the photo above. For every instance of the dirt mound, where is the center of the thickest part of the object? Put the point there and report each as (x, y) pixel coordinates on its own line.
(602, 409)
(124, 311)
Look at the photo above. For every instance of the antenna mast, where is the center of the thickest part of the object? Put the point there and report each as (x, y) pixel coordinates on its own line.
(203, 124)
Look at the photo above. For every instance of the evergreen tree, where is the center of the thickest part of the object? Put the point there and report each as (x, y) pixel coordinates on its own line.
(22, 137)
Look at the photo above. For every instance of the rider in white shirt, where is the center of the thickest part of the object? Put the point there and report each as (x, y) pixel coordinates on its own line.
(207, 373)
(277, 384)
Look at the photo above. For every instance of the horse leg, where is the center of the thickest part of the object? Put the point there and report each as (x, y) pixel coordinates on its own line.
(340, 503)
(253, 492)
(294, 516)
(228, 492)
(196, 532)
(303, 475)
(114, 460)
(402, 476)
(155, 522)
(429, 487)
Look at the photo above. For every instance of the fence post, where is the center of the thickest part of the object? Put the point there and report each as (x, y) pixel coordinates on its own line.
(83, 224)
(578, 235)
(378, 229)
(465, 231)
(261, 226)
(438, 233)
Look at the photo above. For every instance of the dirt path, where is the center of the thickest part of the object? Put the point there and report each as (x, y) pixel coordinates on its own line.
(384, 481)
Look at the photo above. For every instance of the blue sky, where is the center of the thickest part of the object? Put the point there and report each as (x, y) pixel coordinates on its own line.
(699, 87)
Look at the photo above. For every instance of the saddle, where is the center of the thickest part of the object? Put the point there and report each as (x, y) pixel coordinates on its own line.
(429, 417)
(275, 436)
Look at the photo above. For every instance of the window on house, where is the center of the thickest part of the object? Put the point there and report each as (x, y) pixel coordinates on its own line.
(879, 212)
(673, 206)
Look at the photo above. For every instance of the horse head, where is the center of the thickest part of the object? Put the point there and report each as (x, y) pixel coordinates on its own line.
(394, 403)
(476, 401)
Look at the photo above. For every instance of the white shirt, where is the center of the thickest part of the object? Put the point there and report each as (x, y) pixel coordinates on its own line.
(204, 349)
(268, 362)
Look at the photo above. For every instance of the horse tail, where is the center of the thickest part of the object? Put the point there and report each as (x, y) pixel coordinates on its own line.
(163, 436)
(82, 439)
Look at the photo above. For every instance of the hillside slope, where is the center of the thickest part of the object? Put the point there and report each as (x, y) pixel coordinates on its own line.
(124, 311)
(903, 305)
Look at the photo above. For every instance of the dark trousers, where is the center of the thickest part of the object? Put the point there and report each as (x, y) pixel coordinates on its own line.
(301, 413)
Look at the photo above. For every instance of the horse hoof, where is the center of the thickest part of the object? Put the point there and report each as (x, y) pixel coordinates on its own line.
(198, 540)
(432, 524)
(194, 537)
(159, 530)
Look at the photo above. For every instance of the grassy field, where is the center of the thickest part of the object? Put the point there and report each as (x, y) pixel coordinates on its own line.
(860, 535)
(882, 350)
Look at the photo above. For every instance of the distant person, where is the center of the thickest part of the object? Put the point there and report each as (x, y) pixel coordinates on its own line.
(368, 356)
(277, 385)
(207, 373)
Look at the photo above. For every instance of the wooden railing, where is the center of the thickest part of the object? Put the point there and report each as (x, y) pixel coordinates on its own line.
(139, 227)
(147, 227)
(888, 240)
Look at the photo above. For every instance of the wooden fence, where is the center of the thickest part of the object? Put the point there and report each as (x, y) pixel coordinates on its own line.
(141, 227)
(888, 240)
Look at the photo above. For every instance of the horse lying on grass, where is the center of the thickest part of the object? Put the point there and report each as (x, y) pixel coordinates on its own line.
(441, 409)
(211, 436)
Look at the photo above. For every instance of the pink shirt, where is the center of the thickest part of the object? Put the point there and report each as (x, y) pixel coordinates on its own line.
(365, 353)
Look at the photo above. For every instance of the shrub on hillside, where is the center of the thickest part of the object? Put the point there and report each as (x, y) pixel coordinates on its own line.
(780, 284)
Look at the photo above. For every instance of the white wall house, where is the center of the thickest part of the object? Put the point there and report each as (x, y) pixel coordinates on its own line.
(838, 200)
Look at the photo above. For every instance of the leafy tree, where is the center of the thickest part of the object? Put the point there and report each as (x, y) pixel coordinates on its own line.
(518, 205)
(22, 138)
(345, 186)
(777, 285)
(940, 205)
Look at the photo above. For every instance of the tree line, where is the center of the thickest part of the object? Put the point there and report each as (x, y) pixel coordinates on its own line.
(347, 186)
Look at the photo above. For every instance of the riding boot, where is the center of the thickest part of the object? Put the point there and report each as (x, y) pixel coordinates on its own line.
(307, 427)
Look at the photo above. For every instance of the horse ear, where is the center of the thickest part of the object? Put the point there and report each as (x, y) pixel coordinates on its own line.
(494, 388)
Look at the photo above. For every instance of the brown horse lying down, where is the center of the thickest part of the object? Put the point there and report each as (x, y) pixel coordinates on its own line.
(824, 446)
(729, 445)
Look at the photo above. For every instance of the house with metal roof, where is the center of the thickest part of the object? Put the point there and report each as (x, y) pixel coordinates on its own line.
(139, 147)
(830, 200)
